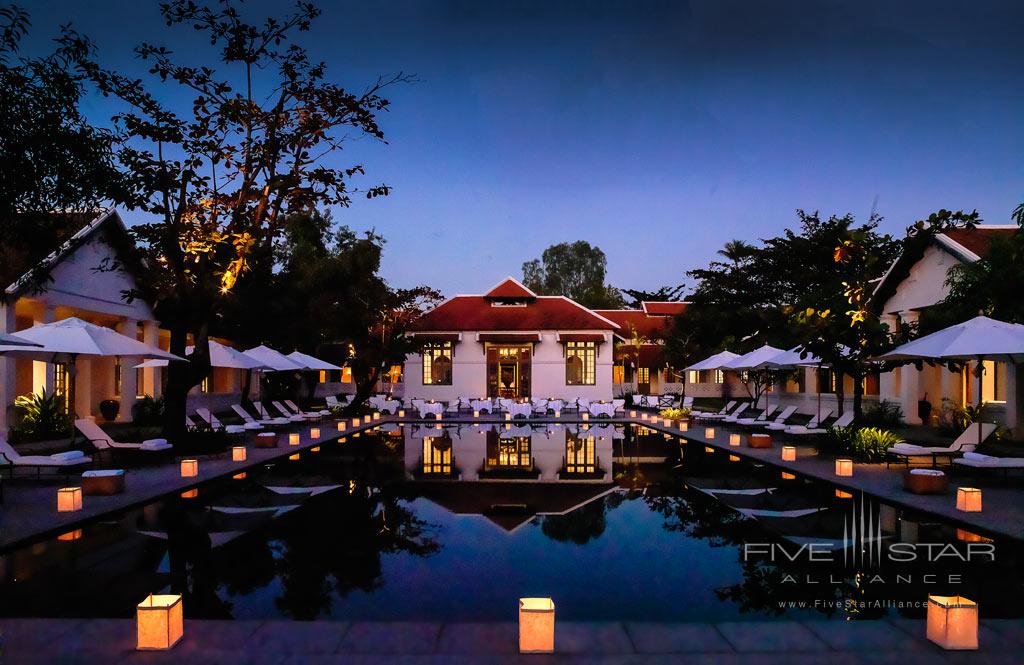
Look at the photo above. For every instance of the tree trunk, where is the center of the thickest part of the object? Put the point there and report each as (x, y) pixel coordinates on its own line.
(858, 398)
(840, 395)
(364, 388)
(176, 390)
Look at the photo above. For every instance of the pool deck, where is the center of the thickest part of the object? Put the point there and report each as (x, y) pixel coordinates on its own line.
(883, 642)
(29, 512)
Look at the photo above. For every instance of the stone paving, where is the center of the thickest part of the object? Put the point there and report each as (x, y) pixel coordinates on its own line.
(897, 641)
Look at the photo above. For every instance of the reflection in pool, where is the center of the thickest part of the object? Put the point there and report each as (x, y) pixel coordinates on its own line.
(457, 522)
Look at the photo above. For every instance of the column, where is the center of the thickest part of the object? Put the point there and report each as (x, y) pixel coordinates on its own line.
(151, 375)
(951, 386)
(910, 381)
(1013, 403)
(7, 369)
(129, 387)
(43, 373)
(81, 374)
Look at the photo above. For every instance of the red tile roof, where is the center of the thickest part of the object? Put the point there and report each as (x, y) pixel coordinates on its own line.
(647, 326)
(664, 308)
(979, 240)
(511, 289)
(542, 313)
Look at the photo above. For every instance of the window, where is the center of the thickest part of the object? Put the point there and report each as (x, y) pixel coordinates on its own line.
(693, 376)
(618, 374)
(437, 456)
(719, 376)
(60, 383)
(346, 375)
(643, 374)
(204, 387)
(580, 361)
(117, 378)
(393, 375)
(437, 364)
(323, 376)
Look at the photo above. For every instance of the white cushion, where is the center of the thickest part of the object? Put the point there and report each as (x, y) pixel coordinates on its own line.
(978, 457)
(926, 472)
(68, 455)
(102, 473)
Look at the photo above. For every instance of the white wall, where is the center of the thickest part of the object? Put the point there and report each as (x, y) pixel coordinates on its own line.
(925, 284)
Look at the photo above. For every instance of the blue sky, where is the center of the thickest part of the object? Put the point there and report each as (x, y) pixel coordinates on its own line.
(655, 130)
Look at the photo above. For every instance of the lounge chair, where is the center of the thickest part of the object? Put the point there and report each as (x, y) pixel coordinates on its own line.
(104, 443)
(705, 414)
(217, 425)
(66, 462)
(760, 418)
(688, 402)
(978, 461)
(266, 422)
(283, 412)
(965, 443)
(740, 406)
(813, 423)
(780, 419)
(619, 404)
(803, 430)
(320, 413)
(735, 415)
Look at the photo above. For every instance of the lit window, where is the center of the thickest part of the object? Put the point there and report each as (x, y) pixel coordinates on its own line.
(618, 374)
(643, 375)
(346, 375)
(323, 376)
(719, 376)
(693, 376)
(580, 361)
(117, 378)
(437, 364)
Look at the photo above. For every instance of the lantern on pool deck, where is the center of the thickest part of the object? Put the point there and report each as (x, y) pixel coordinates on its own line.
(437, 416)
(508, 416)
(844, 467)
(159, 622)
(401, 413)
(293, 439)
(968, 499)
(314, 433)
(684, 426)
(69, 499)
(355, 422)
(788, 453)
(189, 468)
(643, 416)
(476, 413)
(734, 439)
(586, 416)
(558, 413)
(953, 622)
(341, 426)
(709, 432)
(238, 454)
(536, 625)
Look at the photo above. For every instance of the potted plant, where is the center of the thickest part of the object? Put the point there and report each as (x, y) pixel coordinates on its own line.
(109, 408)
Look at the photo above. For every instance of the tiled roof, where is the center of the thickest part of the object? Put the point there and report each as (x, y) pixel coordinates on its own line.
(542, 313)
(978, 240)
(509, 288)
(647, 326)
(664, 308)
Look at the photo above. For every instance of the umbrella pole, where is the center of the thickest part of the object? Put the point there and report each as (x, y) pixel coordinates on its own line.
(73, 392)
(979, 371)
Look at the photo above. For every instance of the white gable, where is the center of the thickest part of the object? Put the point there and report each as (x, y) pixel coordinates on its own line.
(925, 284)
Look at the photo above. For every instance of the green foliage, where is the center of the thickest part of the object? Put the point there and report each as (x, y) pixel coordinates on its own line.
(865, 444)
(40, 416)
(635, 297)
(992, 285)
(954, 418)
(675, 414)
(148, 411)
(885, 414)
(575, 270)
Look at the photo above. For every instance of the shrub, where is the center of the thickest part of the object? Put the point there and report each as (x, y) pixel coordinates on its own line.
(885, 414)
(955, 418)
(866, 444)
(148, 411)
(675, 414)
(41, 416)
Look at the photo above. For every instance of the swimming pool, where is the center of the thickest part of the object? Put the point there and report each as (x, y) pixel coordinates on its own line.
(455, 522)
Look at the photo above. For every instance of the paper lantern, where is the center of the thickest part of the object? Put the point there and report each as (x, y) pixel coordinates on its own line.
(844, 467)
(294, 456)
(239, 476)
(401, 413)
(189, 468)
(341, 426)
(788, 476)
(314, 433)
(788, 453)
(586, 416)
(293, 439)
(953, 622)
(159, 622)
(840, 494)
(968, 499)
(376, 415)
(558, 414)
(684, 426)
(238, 454)
(643, 416)
(632, 414)
(70, 536)
(536, 625)
(355, 422)
(734, 439)
(734, 458)
(315, 449)
(709, 432)
(709, 449)
(508, 416)
(476, 413)
(69, 499)
(190, 494)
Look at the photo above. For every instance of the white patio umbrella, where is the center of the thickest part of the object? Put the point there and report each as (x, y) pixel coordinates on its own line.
(220, 356)
(712, 362)
(274, 361)
(311, 363)
(755, 360)
(793, 358)
(15, 341)
(70, 338)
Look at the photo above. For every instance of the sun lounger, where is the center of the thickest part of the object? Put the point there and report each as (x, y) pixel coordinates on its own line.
(244, 415)
(761, 417)
(814, 422)
(779, 421)
(734, 416)
(722, 416)
(704, 414)
(319, 412)
(979, 461)
(283, 412)
(103, 442)
(217, 425)
(65, 462)
(965, 443)
(803, 430)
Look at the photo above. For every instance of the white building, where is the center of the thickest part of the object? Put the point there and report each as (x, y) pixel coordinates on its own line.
(510, 342)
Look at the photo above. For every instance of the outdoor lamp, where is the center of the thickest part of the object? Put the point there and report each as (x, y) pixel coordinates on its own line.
(189, 468)
(401, 413)
(293, 439)
(788, 453)
(734, 439)
(314, 433)
(684, 426)
(968, 499)
(238, 454)
(341, 426)
(844, 467)
(355, 422)
(159, 622)
(536, 625)
(709, 432)
(69, 499)
(953, 622)
(437, 416)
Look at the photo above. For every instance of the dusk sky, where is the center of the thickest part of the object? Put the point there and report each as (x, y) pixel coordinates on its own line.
(655, 130)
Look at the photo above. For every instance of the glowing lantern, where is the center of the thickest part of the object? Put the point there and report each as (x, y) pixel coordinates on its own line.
(355, 422)
(968, 499)
(293, 439)
(586, 416)
(558, 413)
(643, 416)
(709, 432)
(190, 494)
(376, 415)
(840, 494)
(437, 416)
(476, 413)
(953, 622)
(401, 413)
(314, 433)
(709, 449)
(734, 439)
(238, 454)
(536, 625)
(189, 468)
(341, 426)
(632, 414)
(788, 453)
(70, 535)
(844, 467)
(508, 416)
(159, 622)
(788, 476)
(684, 426)
(239, 476)
(69, 499)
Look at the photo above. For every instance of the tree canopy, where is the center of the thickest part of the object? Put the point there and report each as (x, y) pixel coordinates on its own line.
(575, 270)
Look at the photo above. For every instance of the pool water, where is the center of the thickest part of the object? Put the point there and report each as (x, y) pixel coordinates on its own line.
(455, 524)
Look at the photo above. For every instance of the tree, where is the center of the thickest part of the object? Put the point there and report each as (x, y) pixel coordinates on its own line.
(662, 294)
(220, 181)
(53, 159)
(574, 270)
(991, 285)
